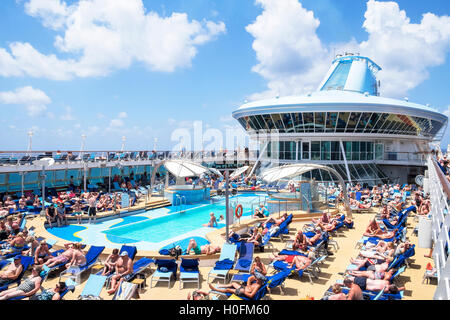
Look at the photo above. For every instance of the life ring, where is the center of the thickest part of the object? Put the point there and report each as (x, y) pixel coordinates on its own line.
(239, 210)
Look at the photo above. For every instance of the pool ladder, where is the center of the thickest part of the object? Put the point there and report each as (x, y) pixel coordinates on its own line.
(179, 200)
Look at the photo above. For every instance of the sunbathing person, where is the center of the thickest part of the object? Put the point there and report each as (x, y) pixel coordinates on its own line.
(261, 212)
(301, 242)
(375, 254)
(328, 227)
(375, 285)
(370, 265)
(64, 257)
(198, 295)
(385, 212)
(27, 288)
(256, 238)
(110, 263)
(16, 244)
(42, 253)
(10, 204)
(33, 244)
(337, 293)
(12, 272)
(51, 294)
(355, 292)
(355, 204)
(325, 218)
(302, 262)
(382, 275)
(258, 266)
(374, 230)
(254, 283)
(78, 257)
(299, 261)
(276, 221)
(205, 249)
(124, 266)
(313, 240)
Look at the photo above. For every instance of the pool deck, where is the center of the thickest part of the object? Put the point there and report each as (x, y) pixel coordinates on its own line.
(295, 288)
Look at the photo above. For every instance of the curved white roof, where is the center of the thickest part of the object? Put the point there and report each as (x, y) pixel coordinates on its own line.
(336, 100)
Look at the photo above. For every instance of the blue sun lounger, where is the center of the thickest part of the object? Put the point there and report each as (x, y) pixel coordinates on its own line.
(244, 262)
(93, 287)
(138, 267)
(166, 268)
(225, 263)
(271, 282)
(189, 272)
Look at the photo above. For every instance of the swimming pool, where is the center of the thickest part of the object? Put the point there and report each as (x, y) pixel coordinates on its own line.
(153, 229)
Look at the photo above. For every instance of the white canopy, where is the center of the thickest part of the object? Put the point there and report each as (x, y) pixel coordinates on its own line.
(215, 171)
(182, 168)
(288, 171)
(236, 173)
(44, 162)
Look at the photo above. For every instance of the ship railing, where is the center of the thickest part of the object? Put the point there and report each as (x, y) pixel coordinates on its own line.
(439, 188)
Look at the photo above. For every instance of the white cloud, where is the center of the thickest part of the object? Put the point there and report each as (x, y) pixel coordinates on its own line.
(52, 12)
(122, 115)
(102, 35)
(293, 59)
(68, 116)
(116, 123)
(34, 100)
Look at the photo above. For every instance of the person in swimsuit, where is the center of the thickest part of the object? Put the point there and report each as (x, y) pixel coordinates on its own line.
(76, 208)
(17, 243)
(254, 283)
(376, 285)
(78, 257)
(301, 262)
(42, 253)
(51, 294)
(92, 211)
(110, 263)
(27, 288)
(337, 293)
(124, 266)
(33, 244)
(374, 275)
(61, 216)
(355, 292)
(51, 214)
(258, 266)
(205, 249)
(64, 257)
(198, 295)
(12, 272)
(374, 230)
(370, 265)
(300, 242)
(212, 221)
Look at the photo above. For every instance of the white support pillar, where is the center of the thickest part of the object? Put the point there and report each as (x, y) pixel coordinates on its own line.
(345, 161)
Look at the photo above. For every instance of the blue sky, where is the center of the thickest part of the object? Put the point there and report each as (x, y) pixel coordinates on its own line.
(60, 79)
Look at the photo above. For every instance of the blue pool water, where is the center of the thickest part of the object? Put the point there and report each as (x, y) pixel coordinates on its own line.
(176, 223)
(154, 229)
